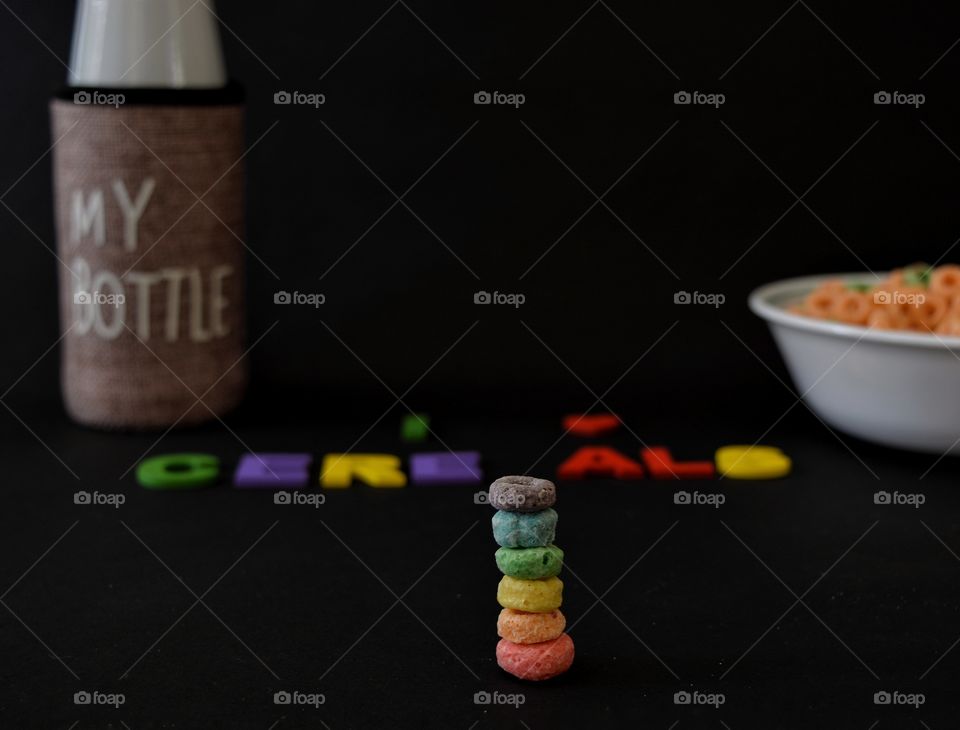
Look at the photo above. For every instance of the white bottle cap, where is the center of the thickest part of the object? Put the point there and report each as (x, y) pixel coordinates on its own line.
(147, 44)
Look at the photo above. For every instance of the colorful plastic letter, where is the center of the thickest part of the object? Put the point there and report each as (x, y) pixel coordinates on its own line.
(376, 470)
(661, 465)
(752, 462)
(590, 426)
(415, 428)
(178, 471)
(599, 461)
(443, 467)
(281, 471)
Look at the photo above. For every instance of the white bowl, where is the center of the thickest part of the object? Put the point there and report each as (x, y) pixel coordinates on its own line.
(899, 389)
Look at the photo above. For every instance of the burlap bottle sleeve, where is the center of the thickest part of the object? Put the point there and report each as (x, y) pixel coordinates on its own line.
(149, 216)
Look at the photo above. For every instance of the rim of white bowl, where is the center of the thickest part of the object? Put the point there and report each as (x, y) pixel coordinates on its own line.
(768, 303)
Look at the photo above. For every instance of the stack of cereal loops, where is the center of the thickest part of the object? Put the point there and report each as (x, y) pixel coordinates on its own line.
(533, 644)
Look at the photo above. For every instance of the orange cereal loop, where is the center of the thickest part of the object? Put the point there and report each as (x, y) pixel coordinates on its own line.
(851, 307)
(521, 627)
(904, 300)
(832, 285)
(820, 303)
(949, 326)
(887, 318)
(928, 309)
(946, 280)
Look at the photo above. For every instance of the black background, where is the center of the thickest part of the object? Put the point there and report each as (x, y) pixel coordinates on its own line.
(798, 100)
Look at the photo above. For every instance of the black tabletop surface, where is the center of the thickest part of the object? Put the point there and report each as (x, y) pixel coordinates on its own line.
(793, 603)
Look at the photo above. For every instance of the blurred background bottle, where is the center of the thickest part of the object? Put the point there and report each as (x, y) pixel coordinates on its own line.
(148, 183)
(146, 43)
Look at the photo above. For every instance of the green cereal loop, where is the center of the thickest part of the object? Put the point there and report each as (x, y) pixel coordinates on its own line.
(530, 563)
(178, 471)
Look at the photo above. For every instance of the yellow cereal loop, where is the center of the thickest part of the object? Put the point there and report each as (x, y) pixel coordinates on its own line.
(752, 462)
(536, 596)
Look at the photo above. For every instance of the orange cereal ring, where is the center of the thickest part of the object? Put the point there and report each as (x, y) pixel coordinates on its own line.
(949, 326)
(851, 307)
(522, 627)
(904, 300)
(927, 309)
(820, 303)
(887, 318)
(946, 280)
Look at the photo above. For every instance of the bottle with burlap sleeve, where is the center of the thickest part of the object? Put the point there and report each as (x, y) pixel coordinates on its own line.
(149, 195)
